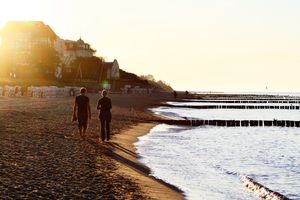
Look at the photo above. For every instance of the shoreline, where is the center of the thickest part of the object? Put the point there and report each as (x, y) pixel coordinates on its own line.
(43, 156)
(41, 145)
(123, 145)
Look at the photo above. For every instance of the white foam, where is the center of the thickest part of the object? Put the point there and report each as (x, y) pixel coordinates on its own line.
(205, 162)
(228, 114)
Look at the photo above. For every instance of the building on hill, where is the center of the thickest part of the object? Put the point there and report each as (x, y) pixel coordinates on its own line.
(34, 45)
(70, 50)
(19, 37)
(112, 70)
(112, 73)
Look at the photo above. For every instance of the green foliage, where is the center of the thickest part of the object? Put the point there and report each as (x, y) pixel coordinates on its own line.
(37, 62)
(88, 61)
(44, 58)
(148, 77)
(91, 68)
(144, 81)
(165, 86)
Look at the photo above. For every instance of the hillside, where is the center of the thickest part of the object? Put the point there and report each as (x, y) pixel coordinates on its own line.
(134, 80)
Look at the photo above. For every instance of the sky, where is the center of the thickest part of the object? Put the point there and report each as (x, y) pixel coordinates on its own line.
(199, 45)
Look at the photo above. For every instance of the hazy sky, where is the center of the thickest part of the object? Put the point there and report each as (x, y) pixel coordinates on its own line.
(212, 45)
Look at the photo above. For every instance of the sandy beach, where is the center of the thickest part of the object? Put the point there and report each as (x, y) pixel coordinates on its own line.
(42, 155)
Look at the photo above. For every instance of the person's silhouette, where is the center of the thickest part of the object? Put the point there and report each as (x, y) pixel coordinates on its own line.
(82, 111)
(104, 105)
(175, 94)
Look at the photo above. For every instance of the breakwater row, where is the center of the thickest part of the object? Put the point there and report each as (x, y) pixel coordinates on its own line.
(226, 131)
(291, 107)
(246, 101)
(247, 97)
(232, 123)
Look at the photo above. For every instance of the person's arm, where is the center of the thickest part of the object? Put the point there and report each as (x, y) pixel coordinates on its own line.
(89, 110)
(98, 106)
(110, 104)
(75, 111)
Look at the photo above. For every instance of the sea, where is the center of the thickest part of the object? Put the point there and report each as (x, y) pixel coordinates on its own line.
(207, 162)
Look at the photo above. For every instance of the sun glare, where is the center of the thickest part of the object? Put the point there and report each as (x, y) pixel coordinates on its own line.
(18, 11)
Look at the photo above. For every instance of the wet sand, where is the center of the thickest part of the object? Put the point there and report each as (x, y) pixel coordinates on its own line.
(123, 146)
(42, 156)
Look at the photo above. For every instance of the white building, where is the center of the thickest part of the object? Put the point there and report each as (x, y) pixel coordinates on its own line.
(69, 50)
(112, 70)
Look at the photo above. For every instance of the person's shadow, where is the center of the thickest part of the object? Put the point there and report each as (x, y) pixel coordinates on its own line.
(108, 149)
(121, 148)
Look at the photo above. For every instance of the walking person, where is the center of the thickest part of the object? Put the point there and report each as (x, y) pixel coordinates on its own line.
(82, 111)
(175, 94)
(104, 105)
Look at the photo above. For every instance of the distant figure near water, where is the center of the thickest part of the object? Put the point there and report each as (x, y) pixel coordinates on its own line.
(104, 105)
(82, 111)
(175, 94)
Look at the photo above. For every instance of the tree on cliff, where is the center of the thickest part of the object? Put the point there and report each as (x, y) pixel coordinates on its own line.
(45, 59)
(157, 84)
(91, 68)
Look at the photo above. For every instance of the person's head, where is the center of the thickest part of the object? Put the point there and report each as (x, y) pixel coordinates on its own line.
(104, 93)
(83, 90)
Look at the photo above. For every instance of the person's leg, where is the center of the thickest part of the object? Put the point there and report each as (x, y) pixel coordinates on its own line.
(79, 127)
(102, 129)
(108, 130)
(81, 124)
(84, 131)
(84, 127)
(80, 131)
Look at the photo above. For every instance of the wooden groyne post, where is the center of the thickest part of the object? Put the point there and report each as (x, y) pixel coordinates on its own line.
(260, 190)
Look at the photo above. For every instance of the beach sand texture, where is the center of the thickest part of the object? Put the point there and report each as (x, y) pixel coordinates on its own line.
(42, 156)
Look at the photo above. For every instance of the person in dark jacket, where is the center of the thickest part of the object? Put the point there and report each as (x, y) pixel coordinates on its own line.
(104, 105)
(175, 94)
(82, 111)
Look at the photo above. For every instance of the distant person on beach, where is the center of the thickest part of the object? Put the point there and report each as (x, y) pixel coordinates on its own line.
(104, 105)
(16, 92)
(22, 89)
(175, 94)
(186, 93)
(82, 111)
